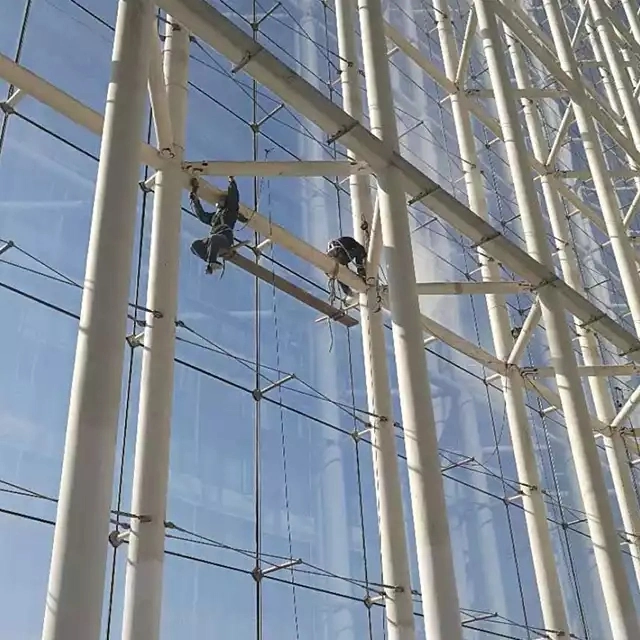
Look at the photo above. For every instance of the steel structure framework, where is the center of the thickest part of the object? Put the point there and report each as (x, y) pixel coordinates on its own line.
(547, 76)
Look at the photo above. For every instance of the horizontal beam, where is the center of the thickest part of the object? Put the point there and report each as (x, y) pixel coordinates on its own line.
(267, 169)
(209, 24)
(268, 276)
(592, 371)
(48, 94)
(532, 94)
(617, 174)
(477, 288)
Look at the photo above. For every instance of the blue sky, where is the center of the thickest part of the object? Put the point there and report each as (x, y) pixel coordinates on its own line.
(325, 507)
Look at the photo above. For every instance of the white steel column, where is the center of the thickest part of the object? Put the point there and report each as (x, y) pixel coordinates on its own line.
(603, 533)
(435, 560)
(547, 580)
(605, 410)
(76, 581)
(393, 541)
(143, 586)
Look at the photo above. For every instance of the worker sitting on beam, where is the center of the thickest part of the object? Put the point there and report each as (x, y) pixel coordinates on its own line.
(222, 221)
(345, 250)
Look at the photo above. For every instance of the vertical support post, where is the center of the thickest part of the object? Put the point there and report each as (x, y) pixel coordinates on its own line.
(393, 541)
(605, 410)
(617, 595)
(435, 558)
(76, 581)
(547, 580)
(143, 586)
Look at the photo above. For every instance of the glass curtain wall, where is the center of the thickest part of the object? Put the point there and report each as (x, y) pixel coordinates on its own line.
(256, 483)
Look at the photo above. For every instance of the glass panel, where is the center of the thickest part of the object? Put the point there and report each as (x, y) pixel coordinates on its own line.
(271, 457)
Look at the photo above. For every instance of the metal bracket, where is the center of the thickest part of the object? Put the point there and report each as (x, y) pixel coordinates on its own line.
(246, 59)
(135, 340)
(258, 394)
(8, 245)
(485, 239)
(275, 7)
(258, 573)
(258, 250)
(116, 538)
(146, 186)
(342, 131)
(550, 409)
(566, 525)
(520, 494)
(340, 312)
(269, 115)
(369, 601)
(422, 195)
(545, 283)
(358, 435)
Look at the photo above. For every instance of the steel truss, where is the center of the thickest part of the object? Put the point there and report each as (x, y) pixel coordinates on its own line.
(605, 114)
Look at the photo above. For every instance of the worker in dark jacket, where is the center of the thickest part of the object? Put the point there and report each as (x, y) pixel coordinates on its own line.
(222, 222)
(345, 250)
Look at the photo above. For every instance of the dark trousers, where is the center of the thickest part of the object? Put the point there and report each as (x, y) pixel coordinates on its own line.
(209, 248)
(358, 255)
